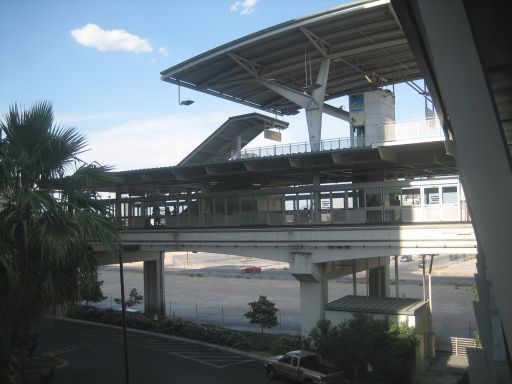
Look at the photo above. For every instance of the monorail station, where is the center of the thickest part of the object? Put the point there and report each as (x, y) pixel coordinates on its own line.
(340, 206)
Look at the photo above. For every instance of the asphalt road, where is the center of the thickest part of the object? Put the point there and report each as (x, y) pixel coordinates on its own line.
(94, 354)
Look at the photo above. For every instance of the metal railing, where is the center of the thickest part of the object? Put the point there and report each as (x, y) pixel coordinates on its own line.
(394, 132)
(297, 148)
(455, 345)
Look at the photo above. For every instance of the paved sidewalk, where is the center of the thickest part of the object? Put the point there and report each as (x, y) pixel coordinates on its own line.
(447, 369)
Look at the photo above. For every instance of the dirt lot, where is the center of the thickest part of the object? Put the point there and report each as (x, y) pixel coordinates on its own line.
(222, 298)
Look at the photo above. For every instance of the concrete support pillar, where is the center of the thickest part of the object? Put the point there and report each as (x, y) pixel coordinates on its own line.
(313, 289)
(378, 280)
(154, 294)
(312, 303)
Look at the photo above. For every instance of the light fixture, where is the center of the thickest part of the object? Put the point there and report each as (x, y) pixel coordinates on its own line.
(368, 79)
(183, 102)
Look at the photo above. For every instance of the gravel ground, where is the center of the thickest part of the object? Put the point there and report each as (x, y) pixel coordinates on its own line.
(222, 298)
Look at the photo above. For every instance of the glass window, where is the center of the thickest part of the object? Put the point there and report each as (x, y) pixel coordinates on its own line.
(450, 195)
(183, 206)
(261, 203)
(219, 205)
(325, 201)
(431, 195)
(356, 199)
(373, 197)
(137, 209)
(392, 197)
(193, 208)
(411, 197)
(305, 201)
(207, 206)
(275, 203)
(338, 200)
(290, 202)
(287, 359)
(233, 205)
(246, 204)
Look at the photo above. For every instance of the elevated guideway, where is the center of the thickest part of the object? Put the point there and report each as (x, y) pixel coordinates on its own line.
(323, 243)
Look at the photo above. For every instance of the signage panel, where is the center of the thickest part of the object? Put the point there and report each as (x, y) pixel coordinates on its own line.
(272, 135)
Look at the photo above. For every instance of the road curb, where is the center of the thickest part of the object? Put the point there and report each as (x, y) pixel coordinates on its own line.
(162, 335)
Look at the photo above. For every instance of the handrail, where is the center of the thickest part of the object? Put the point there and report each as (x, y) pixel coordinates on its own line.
(392, 132)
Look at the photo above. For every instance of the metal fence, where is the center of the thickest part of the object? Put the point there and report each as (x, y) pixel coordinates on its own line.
(455, 345)
(219, 314)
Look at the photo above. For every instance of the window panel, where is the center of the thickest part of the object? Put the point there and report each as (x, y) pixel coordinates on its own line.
(411, 197)
(431, 195)
(450, 195)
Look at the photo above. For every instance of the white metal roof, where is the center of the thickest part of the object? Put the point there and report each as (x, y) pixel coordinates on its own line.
(360, 39)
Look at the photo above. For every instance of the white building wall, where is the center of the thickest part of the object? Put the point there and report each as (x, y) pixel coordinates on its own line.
(379, 110)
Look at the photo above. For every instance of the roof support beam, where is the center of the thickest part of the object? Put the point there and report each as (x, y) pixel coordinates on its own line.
(221, 95)
(315, 107)
(321, 45)
(312, 103)
(336, 112)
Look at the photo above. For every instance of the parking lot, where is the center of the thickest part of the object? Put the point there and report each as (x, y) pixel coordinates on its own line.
(94, 354)
(200, 353)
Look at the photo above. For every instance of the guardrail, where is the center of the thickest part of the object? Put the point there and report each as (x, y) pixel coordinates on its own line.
(297, 148)
(394, 132)
(455, 345)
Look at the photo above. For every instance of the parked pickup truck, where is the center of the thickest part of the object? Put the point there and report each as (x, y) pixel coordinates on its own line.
(302, 366)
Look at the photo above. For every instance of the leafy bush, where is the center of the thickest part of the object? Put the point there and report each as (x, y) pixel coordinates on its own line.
(246, 341)
(134, 298)
(363, 341)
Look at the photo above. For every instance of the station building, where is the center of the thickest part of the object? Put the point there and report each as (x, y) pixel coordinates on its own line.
(341, 206)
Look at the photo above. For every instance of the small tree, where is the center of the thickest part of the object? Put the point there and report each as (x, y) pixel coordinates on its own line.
(90, 289)
(262, 312)
(134, 298)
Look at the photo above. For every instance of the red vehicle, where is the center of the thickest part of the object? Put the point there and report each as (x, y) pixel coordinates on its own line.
(251, 270)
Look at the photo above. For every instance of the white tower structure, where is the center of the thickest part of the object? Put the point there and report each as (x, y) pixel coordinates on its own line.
(370, 113)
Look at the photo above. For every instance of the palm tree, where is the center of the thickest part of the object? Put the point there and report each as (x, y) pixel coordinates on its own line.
(49, 217)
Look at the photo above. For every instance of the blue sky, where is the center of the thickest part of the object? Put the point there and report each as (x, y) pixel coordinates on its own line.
(99, 63)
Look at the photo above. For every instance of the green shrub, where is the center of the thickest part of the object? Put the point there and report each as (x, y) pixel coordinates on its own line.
(285, 343)
(362, 341)
(247, 341)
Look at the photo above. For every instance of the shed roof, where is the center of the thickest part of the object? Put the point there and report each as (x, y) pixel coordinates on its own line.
(387, 305)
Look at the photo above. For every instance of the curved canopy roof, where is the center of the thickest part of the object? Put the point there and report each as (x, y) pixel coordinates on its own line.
(220, 142)
(363, 41)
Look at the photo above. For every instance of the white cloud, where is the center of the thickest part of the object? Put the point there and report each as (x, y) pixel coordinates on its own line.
(92, 35)
(164, 51)
(243, 7)
(153, 142)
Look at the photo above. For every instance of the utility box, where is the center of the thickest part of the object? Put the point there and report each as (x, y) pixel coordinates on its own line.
(372, 115)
